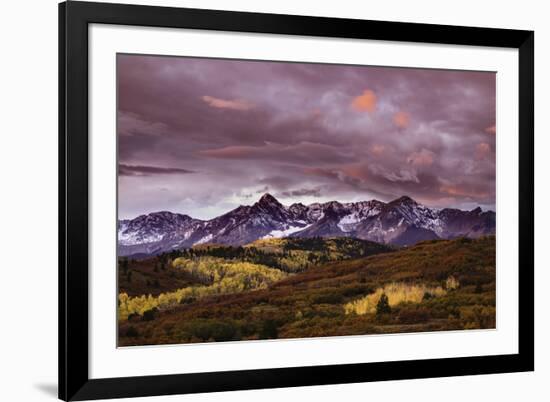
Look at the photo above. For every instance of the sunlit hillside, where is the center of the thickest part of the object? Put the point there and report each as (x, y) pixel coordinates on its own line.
(290, 288)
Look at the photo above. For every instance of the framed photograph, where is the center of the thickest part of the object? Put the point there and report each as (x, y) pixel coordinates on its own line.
(258, 201)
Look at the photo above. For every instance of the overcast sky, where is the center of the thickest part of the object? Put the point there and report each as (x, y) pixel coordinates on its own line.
(203, 136)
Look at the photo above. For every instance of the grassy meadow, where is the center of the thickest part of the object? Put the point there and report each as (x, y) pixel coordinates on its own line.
(295, 288)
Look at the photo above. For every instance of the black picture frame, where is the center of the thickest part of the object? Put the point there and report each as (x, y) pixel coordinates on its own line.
(74, 19)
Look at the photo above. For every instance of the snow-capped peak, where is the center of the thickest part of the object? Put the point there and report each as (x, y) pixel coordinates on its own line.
(397, 222)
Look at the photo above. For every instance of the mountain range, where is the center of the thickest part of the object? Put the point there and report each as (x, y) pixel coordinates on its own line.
(402, 222)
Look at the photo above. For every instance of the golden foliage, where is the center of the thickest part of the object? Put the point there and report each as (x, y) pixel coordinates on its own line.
(223, 278)
(478, 316)
(451, 283)
(218, 270)
(397, 293)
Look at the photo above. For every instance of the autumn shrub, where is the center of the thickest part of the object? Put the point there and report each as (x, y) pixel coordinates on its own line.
(133, 317)
(168, 328)
(478, 316)
(328, 298)
(427, 296)
(216, 330)
(188, 300)
(132, 332)
(149, 315)
(269, 330)
(451, 283)
(464, 240)
(412, 315)
(355, 290)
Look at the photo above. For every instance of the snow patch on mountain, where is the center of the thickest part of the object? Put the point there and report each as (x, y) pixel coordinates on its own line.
(285, 232)
(204, 239)
(349, 222)
(136, 238)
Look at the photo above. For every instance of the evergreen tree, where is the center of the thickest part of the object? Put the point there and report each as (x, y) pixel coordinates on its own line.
(123, 264)
(383, 306)
(269, 330)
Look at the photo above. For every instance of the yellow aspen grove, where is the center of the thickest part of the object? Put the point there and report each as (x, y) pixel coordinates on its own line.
(397, 293)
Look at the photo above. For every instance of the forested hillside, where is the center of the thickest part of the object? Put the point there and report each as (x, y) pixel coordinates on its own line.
(290, 288)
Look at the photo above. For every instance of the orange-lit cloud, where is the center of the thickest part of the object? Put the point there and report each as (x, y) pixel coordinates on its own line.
(233, 104)
(378, 149)
(365, 102)
(356, 171)
(320, 172)
(303, 151)
(461, 191)
(422, 158)
(491, 130)
(482, 150)
(401, 119)
(232, 152)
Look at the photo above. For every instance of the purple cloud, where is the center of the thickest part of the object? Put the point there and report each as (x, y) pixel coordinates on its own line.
(356, 132)
(133, 170)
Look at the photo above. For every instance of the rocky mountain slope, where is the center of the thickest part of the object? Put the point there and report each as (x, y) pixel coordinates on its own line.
(401, 222)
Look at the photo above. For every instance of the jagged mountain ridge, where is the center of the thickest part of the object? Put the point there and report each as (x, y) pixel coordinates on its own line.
(402, 222)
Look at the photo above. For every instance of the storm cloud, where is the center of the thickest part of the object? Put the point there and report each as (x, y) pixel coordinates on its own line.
(133, 170)
(201, 136)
